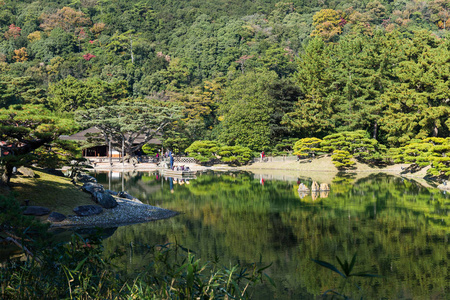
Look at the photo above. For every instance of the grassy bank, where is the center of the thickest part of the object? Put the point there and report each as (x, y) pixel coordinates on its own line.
(55, 192)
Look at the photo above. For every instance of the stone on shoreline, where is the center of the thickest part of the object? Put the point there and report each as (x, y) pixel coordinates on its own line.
(87, 210)
(105, 199)
(56, 217)
(36, 211)
(114, 193)
(315, 187)
(128, 196)
(86, 178)
(91, 187)
(303, 188)
(324, 187)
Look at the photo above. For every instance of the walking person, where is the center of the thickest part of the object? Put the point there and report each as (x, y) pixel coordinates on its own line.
(171, 160)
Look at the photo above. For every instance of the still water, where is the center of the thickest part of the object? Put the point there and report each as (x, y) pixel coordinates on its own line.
(398, 229)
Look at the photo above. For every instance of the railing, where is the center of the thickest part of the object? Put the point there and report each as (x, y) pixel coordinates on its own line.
(188, 160)
(275, 158)
(142, 159)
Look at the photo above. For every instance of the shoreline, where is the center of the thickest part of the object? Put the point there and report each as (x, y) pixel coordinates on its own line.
(321, 170)
(127, 212)
(319, 165)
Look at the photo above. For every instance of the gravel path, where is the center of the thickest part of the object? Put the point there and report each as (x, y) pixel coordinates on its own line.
(125, 213)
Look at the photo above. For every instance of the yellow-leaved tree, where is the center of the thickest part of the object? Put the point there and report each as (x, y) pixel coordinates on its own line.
(328, 23)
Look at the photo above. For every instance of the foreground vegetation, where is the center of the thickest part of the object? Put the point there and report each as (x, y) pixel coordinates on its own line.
(79, 269)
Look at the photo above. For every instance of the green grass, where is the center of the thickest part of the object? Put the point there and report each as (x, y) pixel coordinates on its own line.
(54, 192)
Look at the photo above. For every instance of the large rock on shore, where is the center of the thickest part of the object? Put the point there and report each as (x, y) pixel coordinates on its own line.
(105, 200)
(86, 178)
(324, 187)
(91, 187)
(56, 217)
(36, 211)
(303, 188)
(125, 195)
(87, 210)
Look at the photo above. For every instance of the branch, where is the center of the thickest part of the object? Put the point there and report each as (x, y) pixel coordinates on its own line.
(25, 249)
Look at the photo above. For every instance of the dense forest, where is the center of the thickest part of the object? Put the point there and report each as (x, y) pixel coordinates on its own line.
(249, 73)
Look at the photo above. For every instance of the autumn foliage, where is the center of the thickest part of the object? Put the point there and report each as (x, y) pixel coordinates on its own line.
(13, 32)
(20, 55)
(66, 18)
(88, 56)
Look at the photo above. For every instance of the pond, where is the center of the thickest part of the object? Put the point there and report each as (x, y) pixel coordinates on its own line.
(398, 229)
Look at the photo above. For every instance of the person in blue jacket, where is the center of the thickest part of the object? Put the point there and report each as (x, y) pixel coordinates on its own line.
(171, 160)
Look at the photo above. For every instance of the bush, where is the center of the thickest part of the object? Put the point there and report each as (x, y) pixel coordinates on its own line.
(421, 153)
(357, 144)
(235, 155)
(307, 146)
(203, 151)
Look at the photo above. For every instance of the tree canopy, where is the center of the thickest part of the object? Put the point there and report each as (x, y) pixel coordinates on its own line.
(24, 129)
(253, 75)
(128, 121)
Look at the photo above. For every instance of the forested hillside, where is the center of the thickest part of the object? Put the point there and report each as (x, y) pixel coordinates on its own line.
(252, 73)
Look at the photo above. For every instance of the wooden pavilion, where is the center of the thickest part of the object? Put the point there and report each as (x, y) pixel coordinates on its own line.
(101, 150)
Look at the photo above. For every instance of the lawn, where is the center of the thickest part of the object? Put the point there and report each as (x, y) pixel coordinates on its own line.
(54, 192)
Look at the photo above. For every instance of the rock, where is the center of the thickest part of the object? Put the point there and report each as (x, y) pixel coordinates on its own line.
(324, 187)
(125, 195)
(87, 210)
(111, 192)
(86, 178)
(105, 200)
(315, 186)
(302, 187)
(56, 217)
(36, 211)
(26, 172)
(128, 196)
(91, 187)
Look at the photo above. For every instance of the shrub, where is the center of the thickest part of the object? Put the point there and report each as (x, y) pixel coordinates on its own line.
(307, 146)
(235, 155)
(203, 151)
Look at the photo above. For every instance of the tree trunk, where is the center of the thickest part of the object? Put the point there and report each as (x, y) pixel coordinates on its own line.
(375, 130)
(6, 176)
(435, 131)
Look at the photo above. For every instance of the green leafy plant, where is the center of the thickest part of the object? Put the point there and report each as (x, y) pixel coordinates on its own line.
(434, 152)
(307, 146)
(203, 151)
(357, 144)
(235, 155)
(342, 159)
(79, 270)
(346, 272)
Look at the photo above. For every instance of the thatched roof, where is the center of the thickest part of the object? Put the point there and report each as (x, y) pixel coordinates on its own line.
(81, 136)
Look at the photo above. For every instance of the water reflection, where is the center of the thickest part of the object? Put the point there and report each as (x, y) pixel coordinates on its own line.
(398, 228)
